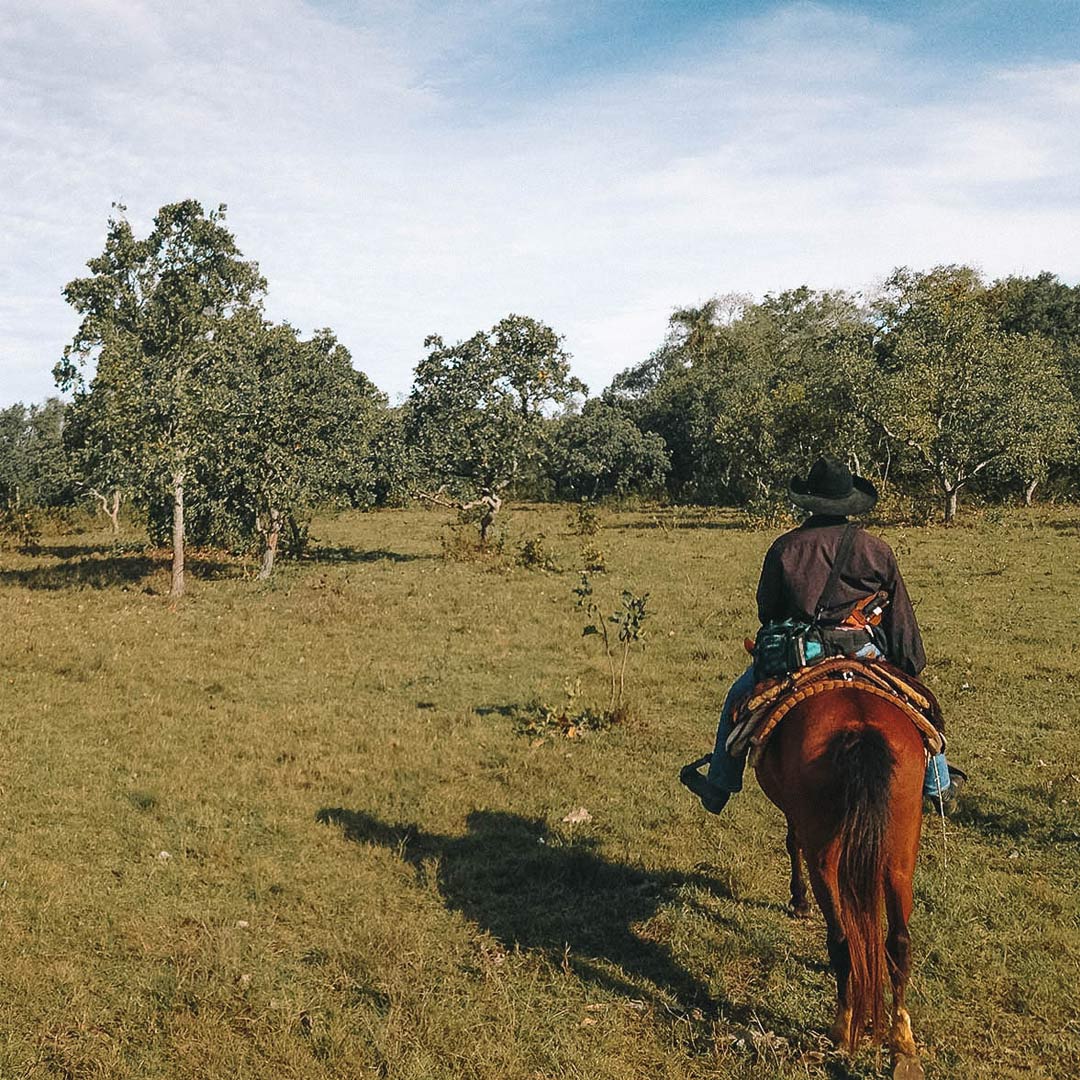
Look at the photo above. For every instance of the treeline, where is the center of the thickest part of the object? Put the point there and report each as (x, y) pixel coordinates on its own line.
(224, 428)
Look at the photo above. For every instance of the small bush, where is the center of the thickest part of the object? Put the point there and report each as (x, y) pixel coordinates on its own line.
(628, 629)
(569, 719)
(534, 554)
(585, 519)
(19, 528)
(593, 560)
(461, 543)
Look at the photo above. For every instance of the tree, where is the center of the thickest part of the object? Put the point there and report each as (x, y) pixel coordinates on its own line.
(954, 390)
(528, 361)
(34, 470)
(743, 394)
(602, 451)
(150, 310)
(1045, 308)
(297, 429)
(474, 421)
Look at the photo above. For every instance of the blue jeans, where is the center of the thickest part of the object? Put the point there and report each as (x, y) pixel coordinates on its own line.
(726, 772)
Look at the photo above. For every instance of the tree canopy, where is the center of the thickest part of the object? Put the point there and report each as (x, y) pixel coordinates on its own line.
(223, 426)
(475, 418)
(150, 311)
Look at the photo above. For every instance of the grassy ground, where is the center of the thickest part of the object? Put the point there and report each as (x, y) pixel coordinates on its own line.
(297, 830)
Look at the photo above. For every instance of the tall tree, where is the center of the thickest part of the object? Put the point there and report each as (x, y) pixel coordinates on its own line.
(475, 418)
(150, 310)
(297, 430)
(959, 394)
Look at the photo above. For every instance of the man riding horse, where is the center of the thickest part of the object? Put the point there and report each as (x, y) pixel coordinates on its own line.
(798, 570)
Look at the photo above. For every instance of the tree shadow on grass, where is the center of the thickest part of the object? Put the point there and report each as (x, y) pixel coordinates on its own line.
(532, 889)
(356, 555)
(92, 572)
(1067, 527)
(74, 551)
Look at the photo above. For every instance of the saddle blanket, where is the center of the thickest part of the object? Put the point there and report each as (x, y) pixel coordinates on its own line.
(756, 716)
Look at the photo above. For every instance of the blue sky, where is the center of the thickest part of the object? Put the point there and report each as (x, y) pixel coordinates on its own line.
(403, 167)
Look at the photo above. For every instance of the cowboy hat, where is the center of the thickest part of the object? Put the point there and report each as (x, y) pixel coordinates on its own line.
(830, 488)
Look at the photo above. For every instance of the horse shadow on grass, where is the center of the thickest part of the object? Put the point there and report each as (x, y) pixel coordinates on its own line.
(532, 889)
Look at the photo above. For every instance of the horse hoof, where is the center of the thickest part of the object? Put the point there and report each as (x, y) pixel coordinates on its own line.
(908, 1068)
(801, 911)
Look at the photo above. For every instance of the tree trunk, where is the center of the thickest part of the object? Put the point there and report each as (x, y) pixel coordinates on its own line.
(178, 534)
(272, 534)
(1029, 491)
(111, 512)
(951, 494)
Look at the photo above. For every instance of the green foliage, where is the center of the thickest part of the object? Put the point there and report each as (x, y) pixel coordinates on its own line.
(601, 451)
(938, 383)
(34, 469)
(585, 519)
(534, 554)
(619, 632)
(196, 401)
(20, 527)
(298, 430)
(743, 394)
(474, 419)
(390, 460)
(153, 311)
(955, 392)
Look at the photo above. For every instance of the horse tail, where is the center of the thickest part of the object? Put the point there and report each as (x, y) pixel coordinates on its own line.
(863, 764)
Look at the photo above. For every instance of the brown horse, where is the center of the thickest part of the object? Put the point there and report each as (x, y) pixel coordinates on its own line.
(846, 768)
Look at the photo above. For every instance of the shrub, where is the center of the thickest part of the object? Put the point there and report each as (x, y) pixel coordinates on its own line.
(534, 554)
(584, 519)
(593, 560)
(19, 528)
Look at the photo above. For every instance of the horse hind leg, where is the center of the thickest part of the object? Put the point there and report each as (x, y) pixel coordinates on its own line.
(840, 961)
(898, 904)
(800, 903)
(823, 882)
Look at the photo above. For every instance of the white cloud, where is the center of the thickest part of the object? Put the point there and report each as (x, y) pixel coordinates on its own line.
(385, 197)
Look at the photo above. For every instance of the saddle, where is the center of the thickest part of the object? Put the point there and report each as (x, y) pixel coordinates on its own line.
(757, 715)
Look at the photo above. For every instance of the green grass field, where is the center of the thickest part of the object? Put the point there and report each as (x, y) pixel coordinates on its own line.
(299, 830)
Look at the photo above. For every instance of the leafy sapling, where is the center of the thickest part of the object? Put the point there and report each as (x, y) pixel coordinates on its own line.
(619, 631)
